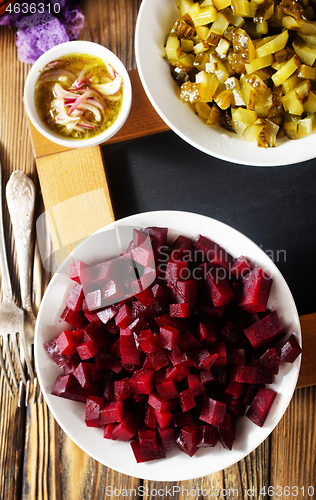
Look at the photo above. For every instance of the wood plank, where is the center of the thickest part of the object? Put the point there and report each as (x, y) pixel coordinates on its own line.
(308, 365)
(293, 444)
(250, 474)
(138, 124)
(79, 192)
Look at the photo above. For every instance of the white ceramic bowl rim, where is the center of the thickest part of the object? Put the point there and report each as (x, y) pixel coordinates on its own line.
(118, 455)
(154, 22)
(77, 46)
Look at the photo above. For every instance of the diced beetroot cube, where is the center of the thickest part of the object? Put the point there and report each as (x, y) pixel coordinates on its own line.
(139, 237)
(146, 297)
(87, 350)
(108, 431)
(96, 275)
(158, 236)
(226, 432)
(176, 374)
(158, 359)
(167, 320)
(234, 406)
(107, 313)
(164, 419)
(206, 359)
(67, 341)
(148, 341)
(219, 348)
(168, 337)
(95, 333)
(72, 364)
(147, 438)
(142, 455)
(194, 383)
(234, 388)
(181, 419)
(290, 350)
(264, 331)
(52, 349)
(160, 376)
(182, 242)
(218, 288)
(158, 404)
(176, 271)
(111, 292)
(107, 361)
(150, 417)
(83, 374)
(248, 393)
(179, 310)
(137, 326)
(143, 254)
(75, 297)
(236, 356)
(160, 294)
(244, 374)
(207, 436)
(186, 400)
(146, 279)
(179, 360)
(128, 350)
(256, 289)
(93, 300)
(71, 317)
(93, 317)
(124, 317)
(167, 390)
(205, 249)
(206, 377)
(167, 437)
(76, 270)
(260, 406)
(126, 429)
(213, 412)
(67, 386)
(122, 390)
(112, 412)
(186, 291)
(240, 267)
(94, 405)
(269, 361)
(188, 439)
(207, 334)
(142, 381)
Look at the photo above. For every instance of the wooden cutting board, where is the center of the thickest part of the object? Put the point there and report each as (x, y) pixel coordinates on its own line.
(80, 191)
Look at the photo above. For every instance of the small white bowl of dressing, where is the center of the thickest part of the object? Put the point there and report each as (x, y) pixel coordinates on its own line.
(78, 94)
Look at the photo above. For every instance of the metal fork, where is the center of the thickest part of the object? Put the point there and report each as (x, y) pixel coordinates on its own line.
(11, 316)
(20, 194)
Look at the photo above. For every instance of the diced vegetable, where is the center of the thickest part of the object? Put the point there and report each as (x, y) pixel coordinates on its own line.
(176, 363)
(253, 55)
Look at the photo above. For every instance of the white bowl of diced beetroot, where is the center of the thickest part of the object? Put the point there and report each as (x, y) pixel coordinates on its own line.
(168, 346)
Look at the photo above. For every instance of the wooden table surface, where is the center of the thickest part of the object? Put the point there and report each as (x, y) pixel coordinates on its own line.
(37, 460)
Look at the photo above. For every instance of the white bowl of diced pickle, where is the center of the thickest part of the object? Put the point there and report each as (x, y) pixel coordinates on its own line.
(234, 79)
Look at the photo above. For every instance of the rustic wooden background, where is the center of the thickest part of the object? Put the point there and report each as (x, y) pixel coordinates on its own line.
(37, 460)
